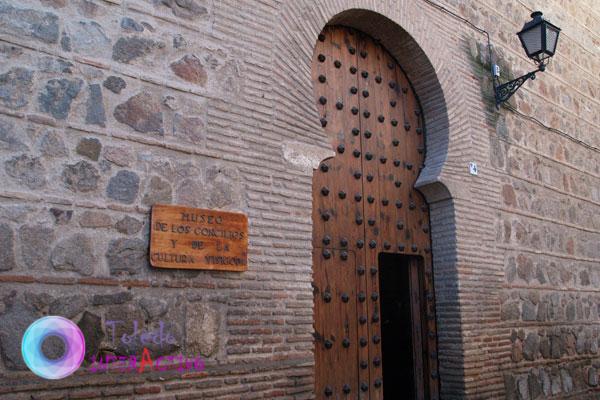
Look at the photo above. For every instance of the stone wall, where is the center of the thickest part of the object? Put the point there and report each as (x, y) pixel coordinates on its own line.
(110, 106)
(106, 109)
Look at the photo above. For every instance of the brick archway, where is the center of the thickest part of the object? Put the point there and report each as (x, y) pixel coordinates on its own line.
(370, 228)
(421, 60)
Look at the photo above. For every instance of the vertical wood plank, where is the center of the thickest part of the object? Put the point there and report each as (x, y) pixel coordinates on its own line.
(416, 316)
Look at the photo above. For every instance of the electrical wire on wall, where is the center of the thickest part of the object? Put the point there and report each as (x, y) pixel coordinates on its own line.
(557, 131)
(509, 107)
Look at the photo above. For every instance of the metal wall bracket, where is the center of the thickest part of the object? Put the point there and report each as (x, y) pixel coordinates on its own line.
(504, 91)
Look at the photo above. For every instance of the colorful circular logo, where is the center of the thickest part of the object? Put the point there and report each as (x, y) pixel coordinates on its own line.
(72, 338)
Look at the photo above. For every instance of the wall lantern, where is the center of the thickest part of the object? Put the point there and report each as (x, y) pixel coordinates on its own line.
(539, 38)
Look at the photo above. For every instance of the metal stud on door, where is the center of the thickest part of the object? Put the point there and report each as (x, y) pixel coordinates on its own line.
(364, 204)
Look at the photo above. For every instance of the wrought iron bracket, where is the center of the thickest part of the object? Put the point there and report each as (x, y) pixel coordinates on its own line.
(504, 91)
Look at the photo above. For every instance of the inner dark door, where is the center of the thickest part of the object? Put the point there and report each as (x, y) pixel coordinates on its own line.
(365, 204)
(400, 283)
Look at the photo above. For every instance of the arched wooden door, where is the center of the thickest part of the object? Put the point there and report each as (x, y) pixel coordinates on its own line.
(370, 229)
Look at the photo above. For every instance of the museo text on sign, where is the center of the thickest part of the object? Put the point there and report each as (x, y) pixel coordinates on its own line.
(195, 238)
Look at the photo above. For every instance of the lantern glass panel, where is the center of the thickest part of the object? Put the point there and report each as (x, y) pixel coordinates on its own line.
(532, 40)
(551, 39)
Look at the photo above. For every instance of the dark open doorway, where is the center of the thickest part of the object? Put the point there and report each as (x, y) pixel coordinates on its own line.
(400, 280)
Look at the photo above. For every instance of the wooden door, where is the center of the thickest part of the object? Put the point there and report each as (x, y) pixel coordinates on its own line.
(365, 204)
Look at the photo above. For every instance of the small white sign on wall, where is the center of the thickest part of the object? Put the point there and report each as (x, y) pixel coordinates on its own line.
(473, 170)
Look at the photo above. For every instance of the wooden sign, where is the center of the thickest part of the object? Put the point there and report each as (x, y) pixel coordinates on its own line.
(195, 238)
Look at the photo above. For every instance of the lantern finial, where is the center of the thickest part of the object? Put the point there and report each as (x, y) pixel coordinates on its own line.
(536, 14)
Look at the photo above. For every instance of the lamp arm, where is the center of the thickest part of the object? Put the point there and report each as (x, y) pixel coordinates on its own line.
(506, 90)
